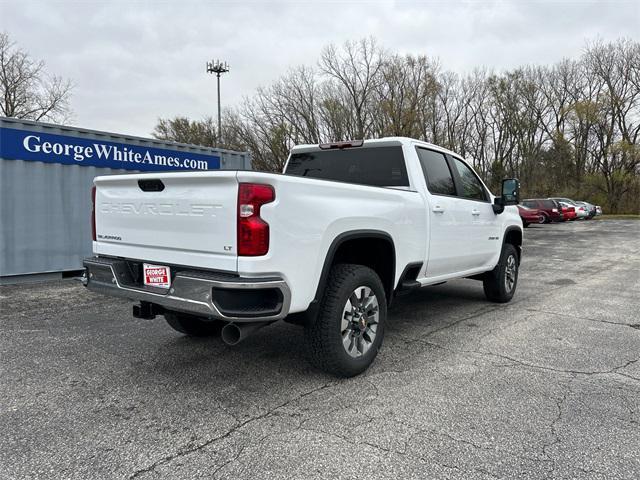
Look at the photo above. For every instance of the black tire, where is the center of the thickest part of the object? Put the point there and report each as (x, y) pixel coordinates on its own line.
(193, 326)
(525, 224)
(495, 282)
(324, 337)
(546, 218)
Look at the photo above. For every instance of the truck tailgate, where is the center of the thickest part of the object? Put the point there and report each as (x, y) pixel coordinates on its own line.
(169, 218)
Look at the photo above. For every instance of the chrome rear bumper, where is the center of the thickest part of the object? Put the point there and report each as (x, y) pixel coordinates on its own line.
(191, 291)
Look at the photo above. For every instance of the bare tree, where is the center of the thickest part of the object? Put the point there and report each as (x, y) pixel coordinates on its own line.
(569, 129)
(181, 129)
(406, 87)
(617, 128)
(26, 90)
(356, 68)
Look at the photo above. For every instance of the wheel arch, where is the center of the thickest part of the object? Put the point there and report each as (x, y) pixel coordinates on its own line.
(336, 254)
(352, 247)
(513, 236)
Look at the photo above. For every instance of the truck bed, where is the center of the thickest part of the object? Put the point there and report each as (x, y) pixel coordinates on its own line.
(190, 219)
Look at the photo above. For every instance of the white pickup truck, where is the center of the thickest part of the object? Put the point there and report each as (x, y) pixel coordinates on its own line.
(328, 244)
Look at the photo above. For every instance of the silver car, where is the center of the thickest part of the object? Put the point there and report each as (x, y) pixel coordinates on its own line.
(591, 209)
(581, 210)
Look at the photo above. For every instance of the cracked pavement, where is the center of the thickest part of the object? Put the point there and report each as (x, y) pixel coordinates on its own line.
(547, 386)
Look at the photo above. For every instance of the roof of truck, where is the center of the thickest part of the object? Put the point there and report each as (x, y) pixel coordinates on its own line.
(384, 141)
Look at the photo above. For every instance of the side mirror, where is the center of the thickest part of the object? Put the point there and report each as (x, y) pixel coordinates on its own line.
(510, 191)
(510, 195)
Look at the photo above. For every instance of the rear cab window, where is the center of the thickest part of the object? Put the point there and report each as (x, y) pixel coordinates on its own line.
(382, 166)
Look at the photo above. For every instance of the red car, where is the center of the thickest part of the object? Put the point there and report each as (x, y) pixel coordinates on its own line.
(550, 209)
(568, 212)
(530, 215)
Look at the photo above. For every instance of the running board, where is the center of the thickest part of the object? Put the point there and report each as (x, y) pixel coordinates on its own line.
(410, 285)
(407, 286)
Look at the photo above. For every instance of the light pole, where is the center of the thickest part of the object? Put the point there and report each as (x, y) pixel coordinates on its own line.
(218, 68)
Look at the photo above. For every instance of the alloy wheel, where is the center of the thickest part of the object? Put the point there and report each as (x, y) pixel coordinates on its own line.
(510, 273)
(359, 324)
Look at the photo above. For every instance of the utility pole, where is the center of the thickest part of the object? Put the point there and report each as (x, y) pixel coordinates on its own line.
(217, 67)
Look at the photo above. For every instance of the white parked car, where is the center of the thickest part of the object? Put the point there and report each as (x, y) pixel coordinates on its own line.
(582, 212)
(589, 208)
(328, 244)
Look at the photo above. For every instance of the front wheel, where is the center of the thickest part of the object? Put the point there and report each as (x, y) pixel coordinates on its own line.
(345, 337)
(500, 283)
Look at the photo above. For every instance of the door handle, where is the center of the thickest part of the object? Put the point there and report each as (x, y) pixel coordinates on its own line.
(438, 209)
(475, 212)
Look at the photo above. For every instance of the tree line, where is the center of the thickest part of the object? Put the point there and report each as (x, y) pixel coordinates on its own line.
(570, 128)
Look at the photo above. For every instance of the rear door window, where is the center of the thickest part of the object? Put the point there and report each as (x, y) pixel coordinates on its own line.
(374, 166)
(436, 172)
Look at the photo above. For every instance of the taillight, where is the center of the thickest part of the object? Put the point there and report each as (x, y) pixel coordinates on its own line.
(93, 213)
(253, 231)
(554, 210)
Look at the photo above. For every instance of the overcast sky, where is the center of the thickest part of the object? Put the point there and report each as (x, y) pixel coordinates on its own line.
(134, 61)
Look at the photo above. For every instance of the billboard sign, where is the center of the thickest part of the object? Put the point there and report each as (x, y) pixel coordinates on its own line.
(69, 150)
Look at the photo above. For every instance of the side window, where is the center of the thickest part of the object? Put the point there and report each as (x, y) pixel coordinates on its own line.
(471, 187)
(436, 171)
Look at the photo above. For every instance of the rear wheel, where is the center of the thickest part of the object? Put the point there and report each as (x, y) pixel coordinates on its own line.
(193, 326)
(541, 219)
(345, 338)
(500, 283)
(545, 218)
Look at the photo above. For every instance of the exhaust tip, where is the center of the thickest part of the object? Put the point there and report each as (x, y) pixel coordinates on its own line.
(231, 334)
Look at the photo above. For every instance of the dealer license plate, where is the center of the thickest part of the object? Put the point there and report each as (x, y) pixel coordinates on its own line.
(156, 275)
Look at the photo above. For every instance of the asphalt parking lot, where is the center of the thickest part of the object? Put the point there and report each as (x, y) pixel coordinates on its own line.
(547, 386)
